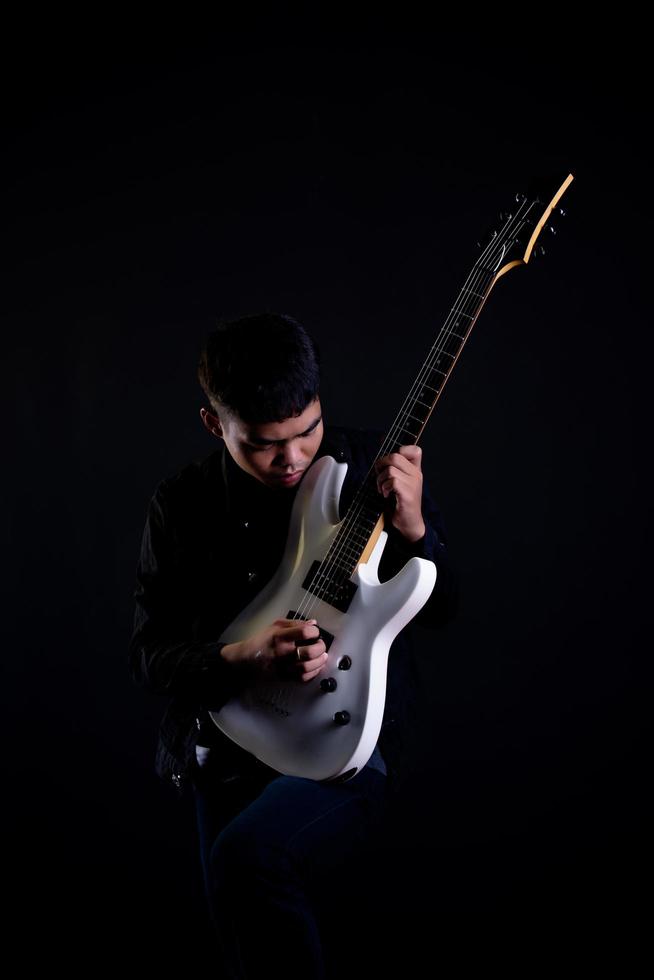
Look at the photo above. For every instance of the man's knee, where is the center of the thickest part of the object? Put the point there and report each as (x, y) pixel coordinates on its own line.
(241, 855)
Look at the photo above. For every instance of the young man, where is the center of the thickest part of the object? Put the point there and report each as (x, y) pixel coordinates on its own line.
(214, 535)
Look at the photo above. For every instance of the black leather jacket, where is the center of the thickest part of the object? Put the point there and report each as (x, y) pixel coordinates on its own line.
(213, 536)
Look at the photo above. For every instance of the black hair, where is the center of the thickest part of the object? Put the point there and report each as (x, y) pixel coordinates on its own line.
(263, 367)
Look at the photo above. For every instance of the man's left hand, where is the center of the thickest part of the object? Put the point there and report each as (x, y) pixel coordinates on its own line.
(400, 473)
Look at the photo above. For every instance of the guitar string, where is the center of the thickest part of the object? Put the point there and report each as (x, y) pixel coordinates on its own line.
(496, 244)
(439, 347)
(493, 251)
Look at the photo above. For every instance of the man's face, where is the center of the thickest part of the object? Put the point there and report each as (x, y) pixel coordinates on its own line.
(270, 451)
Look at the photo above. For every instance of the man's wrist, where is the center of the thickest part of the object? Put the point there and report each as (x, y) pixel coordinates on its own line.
(416, 535)
(231, 652)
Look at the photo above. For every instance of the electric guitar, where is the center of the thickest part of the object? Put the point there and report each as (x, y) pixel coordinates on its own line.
(326, 729)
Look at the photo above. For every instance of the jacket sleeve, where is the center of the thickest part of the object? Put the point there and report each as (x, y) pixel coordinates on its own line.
(163, 655)
(442, 604)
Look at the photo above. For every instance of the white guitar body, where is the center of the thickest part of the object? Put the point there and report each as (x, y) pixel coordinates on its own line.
(290, 724)
(320, 729)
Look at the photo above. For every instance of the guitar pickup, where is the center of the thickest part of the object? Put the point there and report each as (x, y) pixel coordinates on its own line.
(326, 637)
(336, 589)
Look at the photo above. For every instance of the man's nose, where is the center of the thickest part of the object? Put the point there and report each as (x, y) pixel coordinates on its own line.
(290, 457)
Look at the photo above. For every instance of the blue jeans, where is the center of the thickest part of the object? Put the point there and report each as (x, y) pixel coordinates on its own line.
(275, 850)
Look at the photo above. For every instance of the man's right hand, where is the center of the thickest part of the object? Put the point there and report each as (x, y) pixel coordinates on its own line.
(275, 650)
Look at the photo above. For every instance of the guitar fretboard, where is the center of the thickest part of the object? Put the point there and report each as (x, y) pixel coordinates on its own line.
(367, 504)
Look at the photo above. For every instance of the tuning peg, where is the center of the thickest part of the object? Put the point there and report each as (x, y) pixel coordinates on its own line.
(561, 211)
(552, 229)
(520, 196)
(540, 250)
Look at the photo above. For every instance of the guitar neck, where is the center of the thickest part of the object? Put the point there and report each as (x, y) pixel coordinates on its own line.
(364, 511)
(439, 363)
(509, 246)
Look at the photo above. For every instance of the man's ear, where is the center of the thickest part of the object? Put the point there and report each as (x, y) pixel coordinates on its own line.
(211, 422)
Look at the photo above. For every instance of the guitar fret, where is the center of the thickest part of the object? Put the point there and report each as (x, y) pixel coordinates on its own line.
(344, 544)
(369, 519)
(335, 569)
(355, 537)
(349, 548)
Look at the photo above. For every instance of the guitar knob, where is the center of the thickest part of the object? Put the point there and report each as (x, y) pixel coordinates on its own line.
(344, 663)
(328, 684)
(342, 717)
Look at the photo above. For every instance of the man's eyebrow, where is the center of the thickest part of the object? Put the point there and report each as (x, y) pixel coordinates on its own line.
(268, 442)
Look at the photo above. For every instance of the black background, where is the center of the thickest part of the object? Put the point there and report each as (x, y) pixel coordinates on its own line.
(156, 179)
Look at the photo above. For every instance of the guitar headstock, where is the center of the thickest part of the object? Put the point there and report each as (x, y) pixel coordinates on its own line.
(519, 233)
